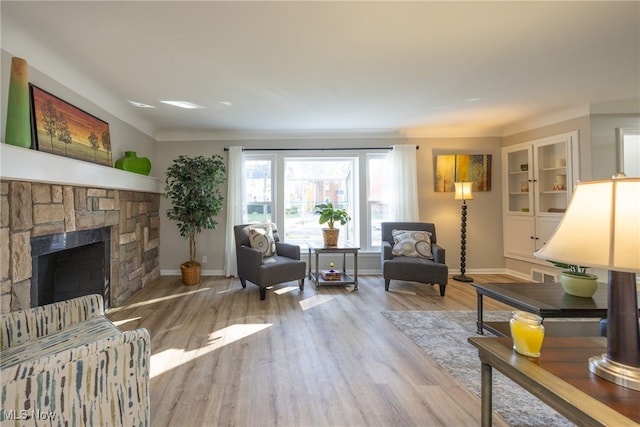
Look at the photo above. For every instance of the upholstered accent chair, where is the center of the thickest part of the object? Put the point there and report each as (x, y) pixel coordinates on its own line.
(68, 363)
(410, 252)
(264, 260)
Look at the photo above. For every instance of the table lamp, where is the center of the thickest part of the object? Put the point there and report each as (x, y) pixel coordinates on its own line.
(601, 229)
(463, 192)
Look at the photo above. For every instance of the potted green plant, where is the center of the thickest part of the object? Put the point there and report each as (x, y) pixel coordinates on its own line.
(193, 185)
(330, 215)
(575, 280)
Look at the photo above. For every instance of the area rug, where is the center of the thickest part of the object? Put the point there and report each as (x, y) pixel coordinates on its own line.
(443, 336)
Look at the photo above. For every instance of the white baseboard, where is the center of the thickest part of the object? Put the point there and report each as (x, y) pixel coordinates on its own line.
(203, 273)
(517, 274)
(169, 272)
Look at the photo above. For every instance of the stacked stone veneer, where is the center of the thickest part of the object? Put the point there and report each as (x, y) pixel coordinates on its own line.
(36, 209)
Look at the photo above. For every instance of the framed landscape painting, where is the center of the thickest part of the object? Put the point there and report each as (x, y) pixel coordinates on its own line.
(63, 129)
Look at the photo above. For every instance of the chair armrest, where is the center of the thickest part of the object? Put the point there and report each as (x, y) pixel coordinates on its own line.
(288, 250)
(110, 368)
(438, 253)
(249, 259)
(386, 250)
(26, 325)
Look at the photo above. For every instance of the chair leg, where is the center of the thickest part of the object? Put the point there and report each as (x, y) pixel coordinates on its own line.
(301, 281)
(386, 284)
(442, 289)
(243, 282)
(263, 293)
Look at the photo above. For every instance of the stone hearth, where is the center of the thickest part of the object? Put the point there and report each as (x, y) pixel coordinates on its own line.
(38, 209)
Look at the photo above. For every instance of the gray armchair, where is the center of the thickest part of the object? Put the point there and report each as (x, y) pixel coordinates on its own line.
(267, 271)
(410, 268)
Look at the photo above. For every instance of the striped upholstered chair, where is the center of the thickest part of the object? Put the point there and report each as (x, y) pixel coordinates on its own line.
(66, 364)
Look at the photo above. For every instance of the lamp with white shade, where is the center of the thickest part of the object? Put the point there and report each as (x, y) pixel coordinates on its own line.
(601, 229)
(463, 191)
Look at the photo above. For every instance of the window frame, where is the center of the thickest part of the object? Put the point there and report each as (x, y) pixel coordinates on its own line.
(362, 224)
(353, 187)
(272, 158)
(368, 200)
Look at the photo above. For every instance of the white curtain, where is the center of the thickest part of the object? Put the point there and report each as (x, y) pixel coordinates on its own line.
(404, 188)
(235, 207)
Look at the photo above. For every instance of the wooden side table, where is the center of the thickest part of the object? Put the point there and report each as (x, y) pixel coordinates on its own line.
(547, 300)
(319, 248)
(561, 379)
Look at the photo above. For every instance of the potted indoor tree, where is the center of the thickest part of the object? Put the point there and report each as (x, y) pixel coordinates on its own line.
(331, 215)
(575, 280)
(193, 185)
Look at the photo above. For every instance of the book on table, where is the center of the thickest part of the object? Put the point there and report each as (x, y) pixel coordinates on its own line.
(331, 274)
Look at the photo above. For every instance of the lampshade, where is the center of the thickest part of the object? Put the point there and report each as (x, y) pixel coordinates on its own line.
(463, 190)
(601, 228)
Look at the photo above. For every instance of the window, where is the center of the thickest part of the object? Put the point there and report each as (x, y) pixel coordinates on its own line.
(378, 193)
(259, 188)
(628, 141)
(284, 189)
(309, 181)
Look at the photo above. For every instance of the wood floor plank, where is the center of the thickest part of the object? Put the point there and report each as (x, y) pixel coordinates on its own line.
(221, 356)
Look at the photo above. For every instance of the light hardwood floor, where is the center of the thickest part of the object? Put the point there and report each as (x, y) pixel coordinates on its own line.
(220, 356)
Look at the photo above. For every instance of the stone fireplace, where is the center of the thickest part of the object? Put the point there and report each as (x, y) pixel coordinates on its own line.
(36, 216)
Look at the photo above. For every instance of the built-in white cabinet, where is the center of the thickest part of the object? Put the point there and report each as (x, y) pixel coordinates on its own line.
(538, 181)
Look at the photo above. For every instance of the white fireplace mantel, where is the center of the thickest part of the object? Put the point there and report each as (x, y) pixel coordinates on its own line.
(22, 164)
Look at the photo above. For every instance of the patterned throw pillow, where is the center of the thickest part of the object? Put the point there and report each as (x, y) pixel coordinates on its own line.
(412, 243)
(261, 237)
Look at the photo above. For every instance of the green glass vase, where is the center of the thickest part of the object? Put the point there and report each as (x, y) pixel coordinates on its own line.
(132, 163)
(18, 128)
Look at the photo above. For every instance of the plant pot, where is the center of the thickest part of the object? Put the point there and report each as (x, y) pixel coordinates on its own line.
(330, 236)
(579, 286)
(190, 272)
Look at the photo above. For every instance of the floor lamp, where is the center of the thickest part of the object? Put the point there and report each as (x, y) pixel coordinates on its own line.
(601, 229)
(463, 192)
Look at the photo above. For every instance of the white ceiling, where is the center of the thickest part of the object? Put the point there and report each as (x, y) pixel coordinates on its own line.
(458, 67)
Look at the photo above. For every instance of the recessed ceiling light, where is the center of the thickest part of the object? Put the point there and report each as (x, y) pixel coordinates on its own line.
(140, 104)
(183, 104)
(225, 103)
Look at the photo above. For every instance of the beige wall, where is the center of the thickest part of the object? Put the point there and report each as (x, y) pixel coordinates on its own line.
(603, 141)
(484, 212)
(174, 250)
(484, 228)
(124, 137)
(581, 124)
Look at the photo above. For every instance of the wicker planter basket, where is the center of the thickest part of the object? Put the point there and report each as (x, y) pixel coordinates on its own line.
(191, 272)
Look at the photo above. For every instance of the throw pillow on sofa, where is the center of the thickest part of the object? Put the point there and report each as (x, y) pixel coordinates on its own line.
(412, 243)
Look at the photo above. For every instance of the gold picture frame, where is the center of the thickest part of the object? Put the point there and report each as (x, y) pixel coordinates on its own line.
(63, 129)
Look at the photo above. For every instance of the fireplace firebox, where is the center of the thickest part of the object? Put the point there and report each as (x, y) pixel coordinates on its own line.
(69, 265)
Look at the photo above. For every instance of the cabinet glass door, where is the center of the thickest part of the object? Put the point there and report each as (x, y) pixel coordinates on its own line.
(551, 178)
(519, 181)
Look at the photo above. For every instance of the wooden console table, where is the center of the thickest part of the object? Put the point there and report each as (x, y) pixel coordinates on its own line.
(561, 379)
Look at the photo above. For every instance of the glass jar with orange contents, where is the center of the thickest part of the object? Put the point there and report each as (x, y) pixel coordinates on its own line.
(527, 332)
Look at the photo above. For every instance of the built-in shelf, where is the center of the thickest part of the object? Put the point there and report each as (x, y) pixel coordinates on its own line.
(22, 164)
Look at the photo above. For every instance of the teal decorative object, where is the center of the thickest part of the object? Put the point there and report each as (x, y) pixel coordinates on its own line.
(18, 128)
(132, 163)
